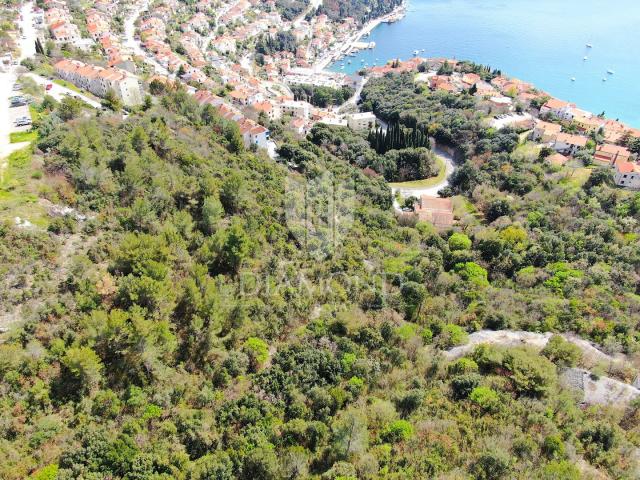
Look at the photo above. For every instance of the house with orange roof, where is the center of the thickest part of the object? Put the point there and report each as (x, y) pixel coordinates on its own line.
(470, 79)
(299, 125)
(587, 123)
(545, 132)
(267, 108)
(254, 134)
(608, 154)
(99, 81)
(64, 32)
(438, 211)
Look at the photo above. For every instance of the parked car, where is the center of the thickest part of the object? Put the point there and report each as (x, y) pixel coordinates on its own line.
(22, 123)
(49, 86)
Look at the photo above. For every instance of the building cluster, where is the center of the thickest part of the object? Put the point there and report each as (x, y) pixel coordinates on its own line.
(252, 132)
(99, 21)
(100, 81)
(58, 20)
(209, 41)
(559, 125)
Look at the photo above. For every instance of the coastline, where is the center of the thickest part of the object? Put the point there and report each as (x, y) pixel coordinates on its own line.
(333, 56)
(601, 78)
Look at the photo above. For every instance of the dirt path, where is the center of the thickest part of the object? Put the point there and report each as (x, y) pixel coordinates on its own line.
(597, 389)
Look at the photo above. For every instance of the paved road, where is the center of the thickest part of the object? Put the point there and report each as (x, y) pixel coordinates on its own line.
(28, 43)
(132, 44)
(59, 92)
(7, 80)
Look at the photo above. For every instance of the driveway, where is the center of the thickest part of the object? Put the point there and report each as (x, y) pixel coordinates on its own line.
(432, 190)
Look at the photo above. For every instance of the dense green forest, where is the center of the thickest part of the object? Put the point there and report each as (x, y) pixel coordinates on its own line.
(320, 96)
(401, 160)
(281, 42)
(290, 9)
(361, 11)
(187, 329)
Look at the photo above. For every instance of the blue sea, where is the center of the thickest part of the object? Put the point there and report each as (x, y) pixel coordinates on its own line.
(539, 41)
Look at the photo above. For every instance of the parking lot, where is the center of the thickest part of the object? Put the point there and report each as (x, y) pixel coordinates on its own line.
(19, 112)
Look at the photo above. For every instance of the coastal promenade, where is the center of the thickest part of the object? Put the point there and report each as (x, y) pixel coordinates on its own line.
(347, 46)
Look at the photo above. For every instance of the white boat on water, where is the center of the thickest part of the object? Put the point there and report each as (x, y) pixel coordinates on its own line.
(573, 79)
(589, 45)
(585, 58)
(416, 52)
(604, 79)
(610, 72)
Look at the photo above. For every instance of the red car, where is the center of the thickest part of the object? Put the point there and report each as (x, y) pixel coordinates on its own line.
(49, 86)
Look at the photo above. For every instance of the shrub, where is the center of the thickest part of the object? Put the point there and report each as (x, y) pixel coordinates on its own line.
(459, 241)
(472, 273)
(398, 431)
(463, 385)
(560, 471)
(452, 336)
(461, 366)
(487, 399)
(562, 352)
(491, 466)
(257, 350)
(530, 374)
(553, 447)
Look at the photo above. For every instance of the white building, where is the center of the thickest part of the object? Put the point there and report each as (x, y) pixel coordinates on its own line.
(361, 121)
(295, 109)
(99, 81)
(569, 144)
(627, 175)
(559, 108)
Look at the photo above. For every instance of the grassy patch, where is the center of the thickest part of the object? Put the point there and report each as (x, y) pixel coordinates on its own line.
(426, 182)
(69, 85)
(576, 177)
(528, 151)
(18, 137)
(35, 113)
(18, 189)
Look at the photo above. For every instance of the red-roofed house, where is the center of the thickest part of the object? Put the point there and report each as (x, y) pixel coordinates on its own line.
(438, 211)
(627, 175)
(611, 154)
(559, 108)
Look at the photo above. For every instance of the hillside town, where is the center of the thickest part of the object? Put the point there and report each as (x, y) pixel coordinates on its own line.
(558, 125)
(249, 61)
